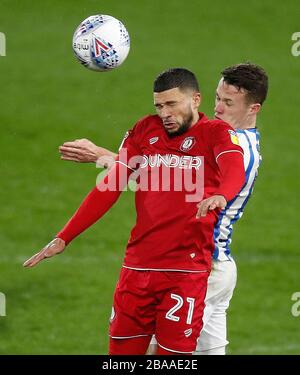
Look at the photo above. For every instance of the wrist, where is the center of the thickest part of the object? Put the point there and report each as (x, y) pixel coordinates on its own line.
(61, 238)
(104, 153)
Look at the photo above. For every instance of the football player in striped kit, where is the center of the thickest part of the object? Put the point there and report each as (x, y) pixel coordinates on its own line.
(239, 97)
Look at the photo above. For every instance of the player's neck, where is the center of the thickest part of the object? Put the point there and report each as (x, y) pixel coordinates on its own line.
(196, 118)
(248, 124)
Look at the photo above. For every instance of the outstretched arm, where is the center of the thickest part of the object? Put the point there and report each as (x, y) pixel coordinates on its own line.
(94, 206)
(85, 151)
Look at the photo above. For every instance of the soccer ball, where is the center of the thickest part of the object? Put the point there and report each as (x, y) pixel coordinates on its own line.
(101, 43)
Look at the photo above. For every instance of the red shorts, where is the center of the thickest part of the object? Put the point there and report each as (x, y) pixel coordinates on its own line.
(167, 304)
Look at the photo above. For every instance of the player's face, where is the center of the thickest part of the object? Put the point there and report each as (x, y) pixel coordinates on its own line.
(231, 105)
(177, 109)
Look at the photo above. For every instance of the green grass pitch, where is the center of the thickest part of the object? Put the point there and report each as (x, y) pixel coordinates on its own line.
(46, 97)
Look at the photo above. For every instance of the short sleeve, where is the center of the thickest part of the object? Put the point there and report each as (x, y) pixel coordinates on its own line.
(224, 140)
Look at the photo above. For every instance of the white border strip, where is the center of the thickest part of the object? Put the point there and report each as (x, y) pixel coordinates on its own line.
(225, 152)
(127, 337)
(170, 350)
(163, 269)
(120, 162)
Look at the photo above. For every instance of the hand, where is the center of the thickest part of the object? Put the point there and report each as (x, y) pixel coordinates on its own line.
(54, 247)
(82, 151)
(216, 201)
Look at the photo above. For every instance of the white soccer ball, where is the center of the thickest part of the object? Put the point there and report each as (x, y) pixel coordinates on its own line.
(101, 43)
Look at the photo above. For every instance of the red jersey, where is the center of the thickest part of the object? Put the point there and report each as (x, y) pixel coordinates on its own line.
(167, 235)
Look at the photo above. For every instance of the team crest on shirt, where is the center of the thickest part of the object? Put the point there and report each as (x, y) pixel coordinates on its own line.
(153, 140)
(234, 137)
(187, 144)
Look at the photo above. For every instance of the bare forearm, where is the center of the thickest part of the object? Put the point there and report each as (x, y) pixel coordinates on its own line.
(105, 152)
(85, 151)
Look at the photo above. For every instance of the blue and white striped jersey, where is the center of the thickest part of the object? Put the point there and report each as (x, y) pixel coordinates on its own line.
(249, 141)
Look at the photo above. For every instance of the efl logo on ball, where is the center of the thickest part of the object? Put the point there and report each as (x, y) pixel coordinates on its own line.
(101, 43)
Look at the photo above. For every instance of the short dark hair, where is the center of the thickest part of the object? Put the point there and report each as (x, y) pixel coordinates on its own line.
(249, 77)
(176, 77)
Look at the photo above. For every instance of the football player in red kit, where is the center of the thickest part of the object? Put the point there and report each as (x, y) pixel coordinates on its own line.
(163, 281)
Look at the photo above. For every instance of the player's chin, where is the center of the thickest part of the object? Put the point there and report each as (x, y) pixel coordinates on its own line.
(172, 130)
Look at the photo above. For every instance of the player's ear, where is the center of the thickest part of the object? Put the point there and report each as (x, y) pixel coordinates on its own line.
(255, 108)
(196, 99)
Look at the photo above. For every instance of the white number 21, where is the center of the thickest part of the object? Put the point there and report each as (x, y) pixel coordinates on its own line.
(170, 314)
